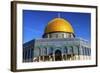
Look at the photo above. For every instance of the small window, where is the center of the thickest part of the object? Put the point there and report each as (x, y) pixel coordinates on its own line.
(70, 50)
(62, 35)
(69, 35)
(75, 50)
(56, 35)
(50, 36)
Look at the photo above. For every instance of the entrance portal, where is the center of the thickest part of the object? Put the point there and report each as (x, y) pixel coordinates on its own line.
(58, 56)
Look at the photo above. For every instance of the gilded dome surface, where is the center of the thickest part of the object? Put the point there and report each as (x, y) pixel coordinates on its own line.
(59, 25)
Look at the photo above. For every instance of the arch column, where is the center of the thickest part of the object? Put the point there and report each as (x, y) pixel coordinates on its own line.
(53, 56)
(65, 56)
(62, 54)
(62, 57)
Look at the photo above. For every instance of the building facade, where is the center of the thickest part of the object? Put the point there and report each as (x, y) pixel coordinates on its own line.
(59, 43)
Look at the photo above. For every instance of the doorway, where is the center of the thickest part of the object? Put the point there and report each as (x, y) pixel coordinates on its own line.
(58, 56)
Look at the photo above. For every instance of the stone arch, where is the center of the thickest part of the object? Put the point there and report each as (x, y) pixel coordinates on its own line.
(58, 55)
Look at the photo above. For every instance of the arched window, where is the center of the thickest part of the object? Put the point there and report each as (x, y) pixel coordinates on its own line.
(50, 35)
(56, 35)
(36, 52)
(29, 53)
(89, 52)
(63, 35)
(72, 36)
(32, 55)
(69, 35)
(44, 51)
(39, 51)
(78, 50)
(25, 54)
(83, 50)
(50, 50)
(75, 50)
(70, 50)
(65, 50)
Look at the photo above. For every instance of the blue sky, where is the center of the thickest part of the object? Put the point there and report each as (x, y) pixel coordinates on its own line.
(34, 23)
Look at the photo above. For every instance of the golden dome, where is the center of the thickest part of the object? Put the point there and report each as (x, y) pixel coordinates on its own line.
(59, 25)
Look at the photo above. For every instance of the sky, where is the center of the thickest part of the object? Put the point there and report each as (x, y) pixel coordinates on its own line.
(34, 23)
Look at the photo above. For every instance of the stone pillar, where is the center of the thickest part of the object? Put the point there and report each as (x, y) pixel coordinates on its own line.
(39, 58)
(66, 56)
(72, 56)
(62, 57)
(76, 57)
(48, 36)
(53, 57)
(49, 58)
(43, 58)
